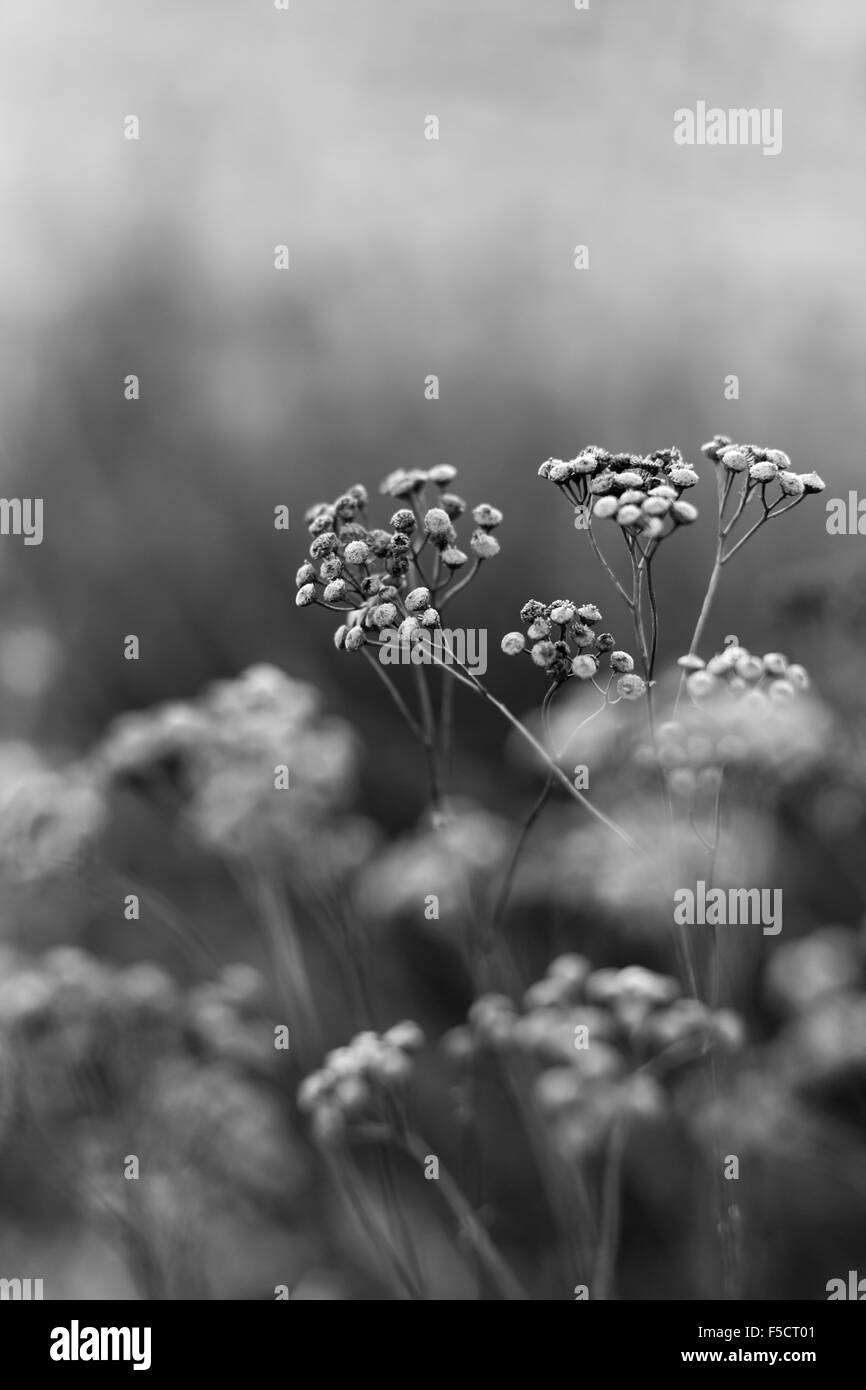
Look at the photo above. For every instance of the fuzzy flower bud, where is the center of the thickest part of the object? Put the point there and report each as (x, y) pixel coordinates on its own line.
(305, 595)
(543, 653)
(778, 457)
(355, 639)
(430, 618)
(453, 557)
(628, 515)
(324, 545)
(736, 460)
(335, 591)
(792, 484)
(513, 643)
(487, 517)
(631, 687)
(588, 613)
(684, 512)
(532, 609)
(584, 667)
(775, 664)
(763, 472)
(305, 575)
(485, 546)
(606, 506)
(417, 600)
(437, 523)
(452, 504)
(403, 520)
(356, 553)
(385, 615)
(442, 474)
(622, 662)
(812, 482)
(562, 611)
(683, 475)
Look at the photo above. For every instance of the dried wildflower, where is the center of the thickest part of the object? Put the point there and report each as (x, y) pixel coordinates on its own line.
(305, 595)
(513, 643)
(453, 557)
(485, 546)
(584, 667)
(631, 687)
(356, 553)
(335, 591)
(442, 474)
(543, 653)
(622, 662)
(417, 600)
(452, 504)
(437, 523)
(305, 575)
(487, 517)
(403, 521)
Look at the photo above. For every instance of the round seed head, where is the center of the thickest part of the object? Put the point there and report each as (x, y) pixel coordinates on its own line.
(356, 553)
(584, 666)
(622, 662)
(305, 595)
(417, 600)
(485, 546)
(631, 687)
(513, 643)
(606, 506)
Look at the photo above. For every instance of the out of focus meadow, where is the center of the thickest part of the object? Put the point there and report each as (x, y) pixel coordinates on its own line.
(152, 1036)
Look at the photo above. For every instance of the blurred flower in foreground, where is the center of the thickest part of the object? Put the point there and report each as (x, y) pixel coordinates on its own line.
(355, 1082)
(221, 754)
(600, 1043)
(48, 819)
(453, 860)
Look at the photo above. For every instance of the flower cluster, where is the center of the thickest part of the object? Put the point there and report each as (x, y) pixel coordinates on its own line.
(597, 1040)
(561, 638)
(79, 1028)
(760, 681)
(761, 468)
(49, 819)
(642, 493)
(377, 577)
(218, 755)
(743, 710)
(357, 1081)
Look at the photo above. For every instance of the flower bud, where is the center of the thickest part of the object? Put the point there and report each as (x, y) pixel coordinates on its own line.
(305, 575)
(606, 506)
(684, 512)
(305, 595)
(487, 517)
(792, 484)
(356, 553)
(622, 662)
(736, 460)
(485, 546)
(631, 687)
(584, 667)
(442, 474)
(763, 472)
(513, 643)
(683, 475)
(417, 600)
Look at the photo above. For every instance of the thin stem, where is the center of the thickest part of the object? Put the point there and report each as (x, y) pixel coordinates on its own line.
(395, 695)
(533, 742)
(501, 1275)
